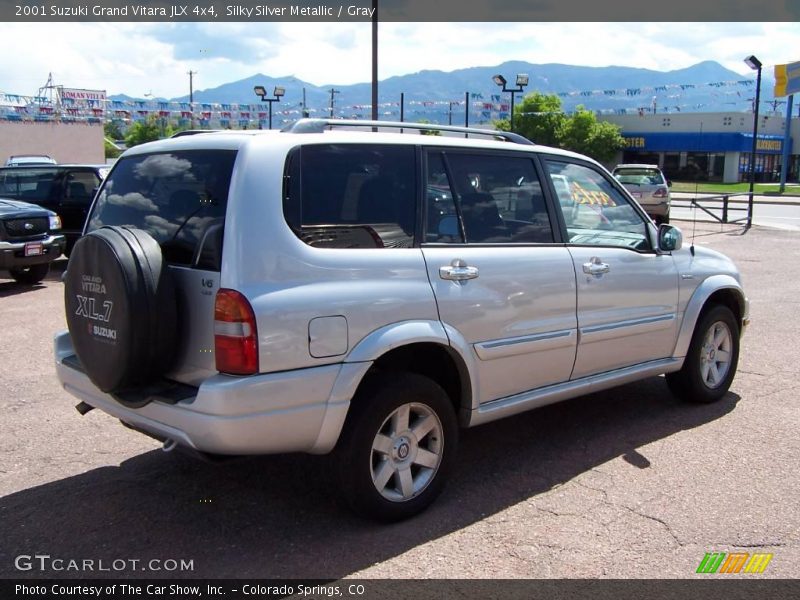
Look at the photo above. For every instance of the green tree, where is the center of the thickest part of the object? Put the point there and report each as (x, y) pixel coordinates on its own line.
(541, 119)
(428, 131)
(111, 151)
(140, 132)
(583, 133)
(113, 130)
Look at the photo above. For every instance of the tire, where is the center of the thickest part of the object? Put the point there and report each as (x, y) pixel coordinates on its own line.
(30, 275)
(402, 430)
(121, 308)
(710, 364)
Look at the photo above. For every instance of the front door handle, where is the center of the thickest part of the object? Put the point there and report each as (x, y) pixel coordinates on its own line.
(595, 266)
(458, 270)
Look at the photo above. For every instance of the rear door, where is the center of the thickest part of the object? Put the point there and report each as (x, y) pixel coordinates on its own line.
(501, 279)
(180, 199)
(627, 292)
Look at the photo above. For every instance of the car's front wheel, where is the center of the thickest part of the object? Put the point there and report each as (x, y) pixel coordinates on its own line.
(30, 275)
(397, 447)
(711, 362)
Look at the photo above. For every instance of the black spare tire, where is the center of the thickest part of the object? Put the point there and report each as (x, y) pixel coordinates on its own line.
(121, 308)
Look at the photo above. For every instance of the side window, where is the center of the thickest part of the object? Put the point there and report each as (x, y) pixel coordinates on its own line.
(441, 217)
(498, 198)
(352, 196)
(80, 185)
(594, 211)
(29, 184)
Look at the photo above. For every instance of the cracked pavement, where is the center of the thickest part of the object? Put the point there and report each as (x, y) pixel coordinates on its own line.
(627, 483)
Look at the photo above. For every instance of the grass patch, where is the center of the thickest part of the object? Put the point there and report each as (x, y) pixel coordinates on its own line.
(765, 189)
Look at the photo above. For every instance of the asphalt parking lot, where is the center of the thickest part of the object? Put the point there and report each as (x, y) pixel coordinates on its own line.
(628, 483)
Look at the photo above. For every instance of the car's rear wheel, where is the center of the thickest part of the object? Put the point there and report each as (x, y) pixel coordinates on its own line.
(711, 362)
(398, 446)
(30, 275)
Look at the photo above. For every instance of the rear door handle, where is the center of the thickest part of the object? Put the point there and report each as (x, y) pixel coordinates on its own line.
(458, 270)
(595, 266)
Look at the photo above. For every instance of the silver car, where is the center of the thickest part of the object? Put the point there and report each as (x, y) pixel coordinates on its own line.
(369, 293)
(649, 187)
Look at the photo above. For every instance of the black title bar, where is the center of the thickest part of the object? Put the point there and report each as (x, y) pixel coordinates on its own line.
(399, 10)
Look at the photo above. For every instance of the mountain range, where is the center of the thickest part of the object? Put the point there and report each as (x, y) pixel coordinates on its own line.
(706, 86)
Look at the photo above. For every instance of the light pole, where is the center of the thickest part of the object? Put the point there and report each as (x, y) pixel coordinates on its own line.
(522, 81)
(450, 112)
(278, 92)
(755, 64)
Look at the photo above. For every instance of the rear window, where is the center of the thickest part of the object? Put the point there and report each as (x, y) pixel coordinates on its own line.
(29, 183)
(640, 176)
(179, 198)
(352, 196)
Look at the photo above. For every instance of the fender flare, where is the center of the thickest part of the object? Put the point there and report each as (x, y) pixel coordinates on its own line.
(369, 349)
(696, 303)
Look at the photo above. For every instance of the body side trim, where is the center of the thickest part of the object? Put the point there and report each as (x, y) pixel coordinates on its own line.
(525, 344)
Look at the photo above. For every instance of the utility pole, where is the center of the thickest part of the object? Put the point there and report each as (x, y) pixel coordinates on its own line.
(374, 60)
(332, 92)
(191, 74)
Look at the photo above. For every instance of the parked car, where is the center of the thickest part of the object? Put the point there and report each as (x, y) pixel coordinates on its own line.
(16, 160)
(365, 293)
(649, 187)
(30, 240)
(65, 189)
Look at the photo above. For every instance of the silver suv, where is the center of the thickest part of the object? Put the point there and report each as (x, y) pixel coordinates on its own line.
(368, 293)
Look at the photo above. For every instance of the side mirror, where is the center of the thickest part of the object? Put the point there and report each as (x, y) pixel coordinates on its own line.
(670, 238)
(669, 183)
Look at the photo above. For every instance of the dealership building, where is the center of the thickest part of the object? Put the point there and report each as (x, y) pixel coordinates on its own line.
(710, 146)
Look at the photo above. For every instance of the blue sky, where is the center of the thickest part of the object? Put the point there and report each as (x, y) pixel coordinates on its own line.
(144, 58)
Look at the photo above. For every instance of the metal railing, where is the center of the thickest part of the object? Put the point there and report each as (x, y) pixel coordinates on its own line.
(723, 204)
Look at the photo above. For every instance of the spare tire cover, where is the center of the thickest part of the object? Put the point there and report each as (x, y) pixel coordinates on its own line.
(121, 308)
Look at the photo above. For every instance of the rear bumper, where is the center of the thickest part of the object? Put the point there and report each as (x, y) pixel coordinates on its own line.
(292, 411)
(12, 254)
(656, 209)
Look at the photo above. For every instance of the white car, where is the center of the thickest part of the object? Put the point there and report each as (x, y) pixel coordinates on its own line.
(649, 187)
(20, 160)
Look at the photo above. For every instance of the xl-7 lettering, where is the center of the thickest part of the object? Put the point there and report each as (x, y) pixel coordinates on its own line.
(86, 308)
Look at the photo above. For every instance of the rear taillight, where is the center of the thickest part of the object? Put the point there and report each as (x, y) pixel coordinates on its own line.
(660, 193)
(235, 335)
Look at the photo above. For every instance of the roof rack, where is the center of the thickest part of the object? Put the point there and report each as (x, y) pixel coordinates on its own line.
(186, 132)
(320, 125)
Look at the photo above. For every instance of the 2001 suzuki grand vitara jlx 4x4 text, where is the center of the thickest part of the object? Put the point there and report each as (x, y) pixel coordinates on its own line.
(369, 293)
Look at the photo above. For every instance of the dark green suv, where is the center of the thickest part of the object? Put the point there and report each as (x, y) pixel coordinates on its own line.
(67, 190)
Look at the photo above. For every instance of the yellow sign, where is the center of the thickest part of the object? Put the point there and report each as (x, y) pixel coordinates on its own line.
(767, 145)
(787, 79)
(634, 142)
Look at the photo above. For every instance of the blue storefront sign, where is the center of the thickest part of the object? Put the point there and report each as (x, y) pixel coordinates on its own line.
(703, 142)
